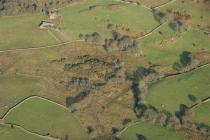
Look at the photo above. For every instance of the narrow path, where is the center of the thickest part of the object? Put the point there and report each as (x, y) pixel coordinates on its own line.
(53, 36)
(66, 37)
(43, 47)
(124, 92)
(29, 132)
(36, 48)
(153, 30)
(23, 15)
(125, 128)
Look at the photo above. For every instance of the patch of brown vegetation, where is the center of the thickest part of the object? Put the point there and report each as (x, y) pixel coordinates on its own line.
(102, 110)
(203, 57)
(125, 30)
(192, 135)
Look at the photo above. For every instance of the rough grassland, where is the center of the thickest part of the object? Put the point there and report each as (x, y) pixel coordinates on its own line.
(151, 132)
(13, 89)
(173, 91)
(78, 18)
(43, 117)
(8, 133)
(202, 114)
(23, 32)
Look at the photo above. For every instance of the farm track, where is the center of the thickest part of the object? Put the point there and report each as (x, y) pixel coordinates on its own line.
(53, 36)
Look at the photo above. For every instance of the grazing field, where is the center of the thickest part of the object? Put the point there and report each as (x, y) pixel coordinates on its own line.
(94, 16)
(44, 117)
(23, 32)
(171, 44)
(199, 11)
(14, 89)
(171, 92)
(202, 114)
(151, 132)
(8, 133)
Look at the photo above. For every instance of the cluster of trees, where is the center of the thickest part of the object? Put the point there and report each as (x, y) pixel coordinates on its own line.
(182, 118)
(140, 73)
(15, 7)
(94, 37)
(185, 59)
(163, 118)
(122, 42)
(111, 68)
(83, 85)
(159, 15)
(11, 7)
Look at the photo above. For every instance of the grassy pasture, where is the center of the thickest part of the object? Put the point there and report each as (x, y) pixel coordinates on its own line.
(8, 133)
(23, 32)
(170, 44)
(202, 114)
(41, 116)
(173, 91)
(200, 12)
(79, 18)
(13, 89)
(151, 132)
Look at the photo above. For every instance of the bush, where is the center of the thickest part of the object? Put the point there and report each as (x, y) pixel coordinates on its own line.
(176, 25)
(159, 15)
(126, 121)
(185, 58)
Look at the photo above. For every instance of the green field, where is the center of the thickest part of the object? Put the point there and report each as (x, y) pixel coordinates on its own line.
(14, 89)
(43, 117)
(151, 132)
(199, 12)
(169, 93)
(78, 18)
(23, 32)
(174, 44)
(8, 133)
(202, 114)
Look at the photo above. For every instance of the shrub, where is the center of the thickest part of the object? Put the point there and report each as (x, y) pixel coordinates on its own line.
(185, 58)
